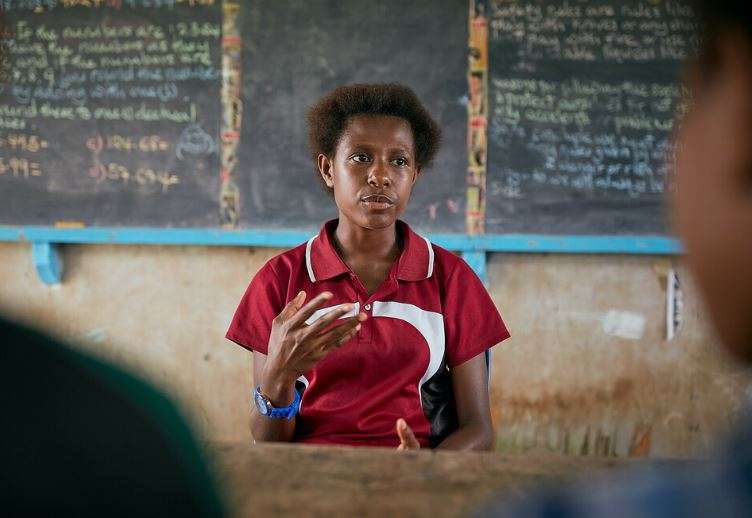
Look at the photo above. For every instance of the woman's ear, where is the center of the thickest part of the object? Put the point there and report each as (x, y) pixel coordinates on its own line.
(416, 174)
(325, 169)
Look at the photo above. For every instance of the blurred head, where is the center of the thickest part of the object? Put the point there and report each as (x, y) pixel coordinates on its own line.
(713, 202)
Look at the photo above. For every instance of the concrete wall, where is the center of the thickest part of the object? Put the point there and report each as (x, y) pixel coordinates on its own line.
(565, 382)
(568, 382)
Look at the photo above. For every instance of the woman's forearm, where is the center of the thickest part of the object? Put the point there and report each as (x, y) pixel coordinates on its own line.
(265, 429)
(280, 394)
(469, 437)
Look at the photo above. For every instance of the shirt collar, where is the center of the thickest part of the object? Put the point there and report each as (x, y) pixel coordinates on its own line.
(414, 264)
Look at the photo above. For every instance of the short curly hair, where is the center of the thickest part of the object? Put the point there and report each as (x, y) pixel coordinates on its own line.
(328, 117)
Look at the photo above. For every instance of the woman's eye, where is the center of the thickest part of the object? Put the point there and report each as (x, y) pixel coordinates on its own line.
(360, 158)
(400, 162)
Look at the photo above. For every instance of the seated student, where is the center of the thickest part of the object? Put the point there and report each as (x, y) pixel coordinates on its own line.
(713, 212)
(82, 438)
(368, 334)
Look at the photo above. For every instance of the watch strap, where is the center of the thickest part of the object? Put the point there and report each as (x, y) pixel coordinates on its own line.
(287, 412)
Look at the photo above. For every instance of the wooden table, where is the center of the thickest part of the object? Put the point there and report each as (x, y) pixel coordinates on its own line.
(296, 480)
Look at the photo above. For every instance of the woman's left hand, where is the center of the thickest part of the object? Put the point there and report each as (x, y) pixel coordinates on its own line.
(406, 436)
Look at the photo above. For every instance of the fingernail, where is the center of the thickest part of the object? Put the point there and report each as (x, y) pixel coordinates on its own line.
(357, 328)
(362, 316)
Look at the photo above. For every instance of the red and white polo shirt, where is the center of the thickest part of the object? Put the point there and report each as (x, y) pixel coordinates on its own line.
(431, 314)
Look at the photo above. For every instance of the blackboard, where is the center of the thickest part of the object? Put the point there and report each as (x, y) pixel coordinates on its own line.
(111, 114)
(191, 113)
(137, 141)
(295, 52)
(582, 101)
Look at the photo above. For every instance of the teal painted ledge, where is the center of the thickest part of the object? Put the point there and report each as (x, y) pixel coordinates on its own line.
(522, 243)
(44, 242)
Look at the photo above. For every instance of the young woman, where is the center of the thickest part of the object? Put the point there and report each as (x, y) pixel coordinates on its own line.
(368, 334)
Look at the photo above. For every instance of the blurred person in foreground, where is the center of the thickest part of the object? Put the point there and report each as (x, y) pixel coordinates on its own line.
(712, 210)
(80, 437)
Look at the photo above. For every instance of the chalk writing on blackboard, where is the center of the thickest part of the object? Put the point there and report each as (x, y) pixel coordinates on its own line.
(583, 99)
(112, 105)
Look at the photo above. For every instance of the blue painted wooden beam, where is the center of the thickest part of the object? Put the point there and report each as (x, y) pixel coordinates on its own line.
(47, 261)
(653, 245)
(525, 243)
(477, 261)
(473, 247)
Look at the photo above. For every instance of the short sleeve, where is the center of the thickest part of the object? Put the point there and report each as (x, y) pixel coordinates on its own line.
(263, 300)
(472, 324)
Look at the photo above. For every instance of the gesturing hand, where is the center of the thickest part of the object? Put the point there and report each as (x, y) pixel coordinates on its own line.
(406, 436)
(295, 347)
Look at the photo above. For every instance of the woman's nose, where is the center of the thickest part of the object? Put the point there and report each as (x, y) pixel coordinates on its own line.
(378, 176)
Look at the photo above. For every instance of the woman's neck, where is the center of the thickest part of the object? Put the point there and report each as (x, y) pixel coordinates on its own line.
(358, 243)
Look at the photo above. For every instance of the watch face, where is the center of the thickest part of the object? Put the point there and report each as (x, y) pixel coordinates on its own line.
(261, 404)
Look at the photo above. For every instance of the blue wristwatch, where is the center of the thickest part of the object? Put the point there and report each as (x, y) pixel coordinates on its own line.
(266, 408)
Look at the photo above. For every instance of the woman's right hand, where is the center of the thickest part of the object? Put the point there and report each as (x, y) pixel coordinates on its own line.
(295, 347)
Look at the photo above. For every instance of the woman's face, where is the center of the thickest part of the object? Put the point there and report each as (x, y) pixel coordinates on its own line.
(373, 170)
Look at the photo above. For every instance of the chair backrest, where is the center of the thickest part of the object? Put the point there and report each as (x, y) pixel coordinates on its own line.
(488, 368)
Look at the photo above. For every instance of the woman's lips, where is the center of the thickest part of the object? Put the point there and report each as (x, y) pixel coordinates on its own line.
(377, 202)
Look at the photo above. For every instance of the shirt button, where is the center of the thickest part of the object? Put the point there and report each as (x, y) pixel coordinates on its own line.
(368, 307)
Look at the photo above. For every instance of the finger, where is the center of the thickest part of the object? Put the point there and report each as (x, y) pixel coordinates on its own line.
(326, 344)
(320, 351)
(337, 336)
(324, 322)
(406, 436)
(292, 307)
(306, 311)
(322, 348)
(318, 327)
(347, 336)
